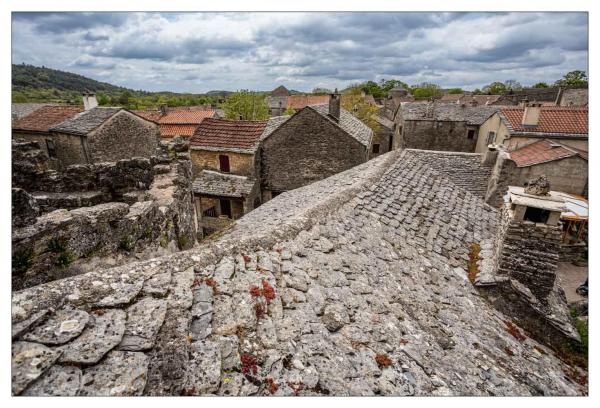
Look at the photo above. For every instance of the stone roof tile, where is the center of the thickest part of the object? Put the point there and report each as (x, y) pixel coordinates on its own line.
(472, 115)
(214, 183)
(86, 121)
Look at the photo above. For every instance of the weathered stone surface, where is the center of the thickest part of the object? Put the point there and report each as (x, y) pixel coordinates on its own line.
(335, 316)
(181, 291)
(62, 381)
(104, 331)
(204, 369)
(122, 293)
(61, 327)
(22, 326)
(158, 285)
(121, 373)
(29, 361)
(144, 319)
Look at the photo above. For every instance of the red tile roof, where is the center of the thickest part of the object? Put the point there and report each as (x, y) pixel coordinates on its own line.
(177, 130)
(46, 117)
(553, 119)
(543, 151)
(300, 101)
(152, 115)
(187, 116)
(228, 134)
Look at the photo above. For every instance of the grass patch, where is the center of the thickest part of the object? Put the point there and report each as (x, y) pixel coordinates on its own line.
(65, 258)
(126, 243)
(22, 260)
(472, 269)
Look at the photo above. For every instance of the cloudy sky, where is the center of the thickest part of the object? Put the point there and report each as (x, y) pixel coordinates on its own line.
(198, 52)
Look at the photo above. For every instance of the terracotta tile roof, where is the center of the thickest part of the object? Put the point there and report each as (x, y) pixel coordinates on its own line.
(300, 101)
(46, 117)
(544, 151)
(153, 115)
(186, 116)
(231, 135)
(553, 119)
(177, 130)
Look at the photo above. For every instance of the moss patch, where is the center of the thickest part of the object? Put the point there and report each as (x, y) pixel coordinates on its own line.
(472, 268)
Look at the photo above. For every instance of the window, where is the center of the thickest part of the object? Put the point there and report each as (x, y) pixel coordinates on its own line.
(491, 137)
(536, 215)
(51, 148)
(471, 134)
(225, 208)
(224, 163)
(375, 148)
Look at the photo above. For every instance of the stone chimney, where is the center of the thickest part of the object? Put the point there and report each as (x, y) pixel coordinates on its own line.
(473, 102)
(530, 237)
(531, 114)
(490, 156)
(164, 109)
(89, 101)
(334, 105)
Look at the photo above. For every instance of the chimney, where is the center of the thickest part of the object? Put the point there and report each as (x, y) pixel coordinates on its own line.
(490, 156)
(163, 109)
(334, 105)
(89, 101)
(473, 102)
(531, 114)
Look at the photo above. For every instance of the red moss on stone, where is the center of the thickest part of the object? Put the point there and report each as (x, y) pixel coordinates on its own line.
(272, 386)
(268, 291)
(249, 364)
(383, 361)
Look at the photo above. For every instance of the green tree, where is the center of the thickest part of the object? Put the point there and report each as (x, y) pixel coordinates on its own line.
(541, 85)
(426, 90)
(477, 91)
(289, 111)
(495, 88)
(456, 91)
(246, 105)
(390, 84)
(321, 91)
(354, 102)
(513, 85)
(124, 98)
(371, 88)
(573, 79)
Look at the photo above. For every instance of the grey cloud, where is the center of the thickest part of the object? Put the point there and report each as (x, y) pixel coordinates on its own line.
(60, 23)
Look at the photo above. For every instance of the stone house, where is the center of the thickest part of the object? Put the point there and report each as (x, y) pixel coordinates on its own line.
(440, 126)
(278, 100)
(103, 134)
(514, 127)
(572, 97)
(36, 126)
(224, 162)
(315, 143)
(180, 121)
(472, 99)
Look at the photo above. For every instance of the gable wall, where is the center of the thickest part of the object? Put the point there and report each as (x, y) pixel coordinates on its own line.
(305, 149)
(438, 135)
(123, 136)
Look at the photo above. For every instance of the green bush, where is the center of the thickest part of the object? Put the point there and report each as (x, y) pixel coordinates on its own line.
(126, 243)
(65, 258)
(22, 260)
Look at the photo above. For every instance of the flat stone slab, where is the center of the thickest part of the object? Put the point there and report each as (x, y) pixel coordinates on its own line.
(58, 381)
(144, 319)
(158, 284)
(105, 331)
(121, 293)
(23, 326)
(181, 289)
(121, 373)
(60, 327)
(29, 361)
(204, 368)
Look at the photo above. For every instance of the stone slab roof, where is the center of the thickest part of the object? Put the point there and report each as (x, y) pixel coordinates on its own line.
(472, 115)
(86, 121)
(214, 183)
(467, 99)
(464, 169)
(369, 262)
(543, 151)
(46, 117)
(552, 120)
(350, 124)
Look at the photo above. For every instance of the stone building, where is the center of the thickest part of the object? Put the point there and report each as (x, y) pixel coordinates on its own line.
(36, 125)
(472, 99)
(278, 101)
(440, 126)
(572, 97)
(223, 154)
(514, 127)
(354, 285)
(103, 134)
(315, 143)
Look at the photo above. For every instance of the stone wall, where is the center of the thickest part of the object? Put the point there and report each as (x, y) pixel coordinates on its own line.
(123, 136)
(568, 175)
(573, 252)
(65, 242)
(69, 149)
(528, 253)
(438, 135)
(504, 174)
(239, 163)
(382, 137)
(305, 149)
